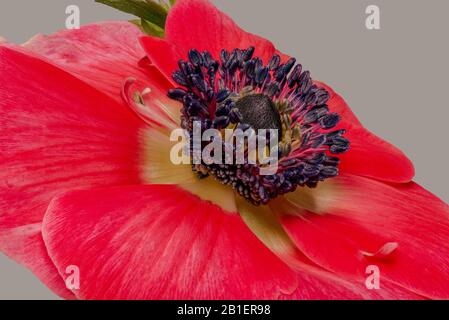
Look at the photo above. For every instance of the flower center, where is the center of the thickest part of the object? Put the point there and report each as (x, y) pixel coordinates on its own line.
(239, 93)
(259, 111)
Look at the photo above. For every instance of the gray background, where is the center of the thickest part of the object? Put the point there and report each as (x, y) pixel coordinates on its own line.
(395, 79)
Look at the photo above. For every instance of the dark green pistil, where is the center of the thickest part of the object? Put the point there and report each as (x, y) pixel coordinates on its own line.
(259, 111)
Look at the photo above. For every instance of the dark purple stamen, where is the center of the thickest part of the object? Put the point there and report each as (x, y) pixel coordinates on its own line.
(239, 90)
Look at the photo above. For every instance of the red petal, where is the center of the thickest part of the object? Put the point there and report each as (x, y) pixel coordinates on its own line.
(101, 54)
(369, 155)
(56, 134)
(159, 242)
(26, 246)
(372, 157)
(363, 218)
(199, 24)
(162, 54)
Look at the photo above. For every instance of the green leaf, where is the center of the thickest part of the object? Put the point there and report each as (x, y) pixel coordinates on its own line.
(152, 29)
(161, 3)
(148, 10)
(149, 28)
(138, 23)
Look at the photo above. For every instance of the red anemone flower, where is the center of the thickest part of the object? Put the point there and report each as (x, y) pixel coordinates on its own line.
(86, 178)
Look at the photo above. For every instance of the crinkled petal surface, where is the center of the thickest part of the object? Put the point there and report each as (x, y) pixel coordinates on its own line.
(101, 54)
(403, 229)
(56, 134)
(161, 242)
